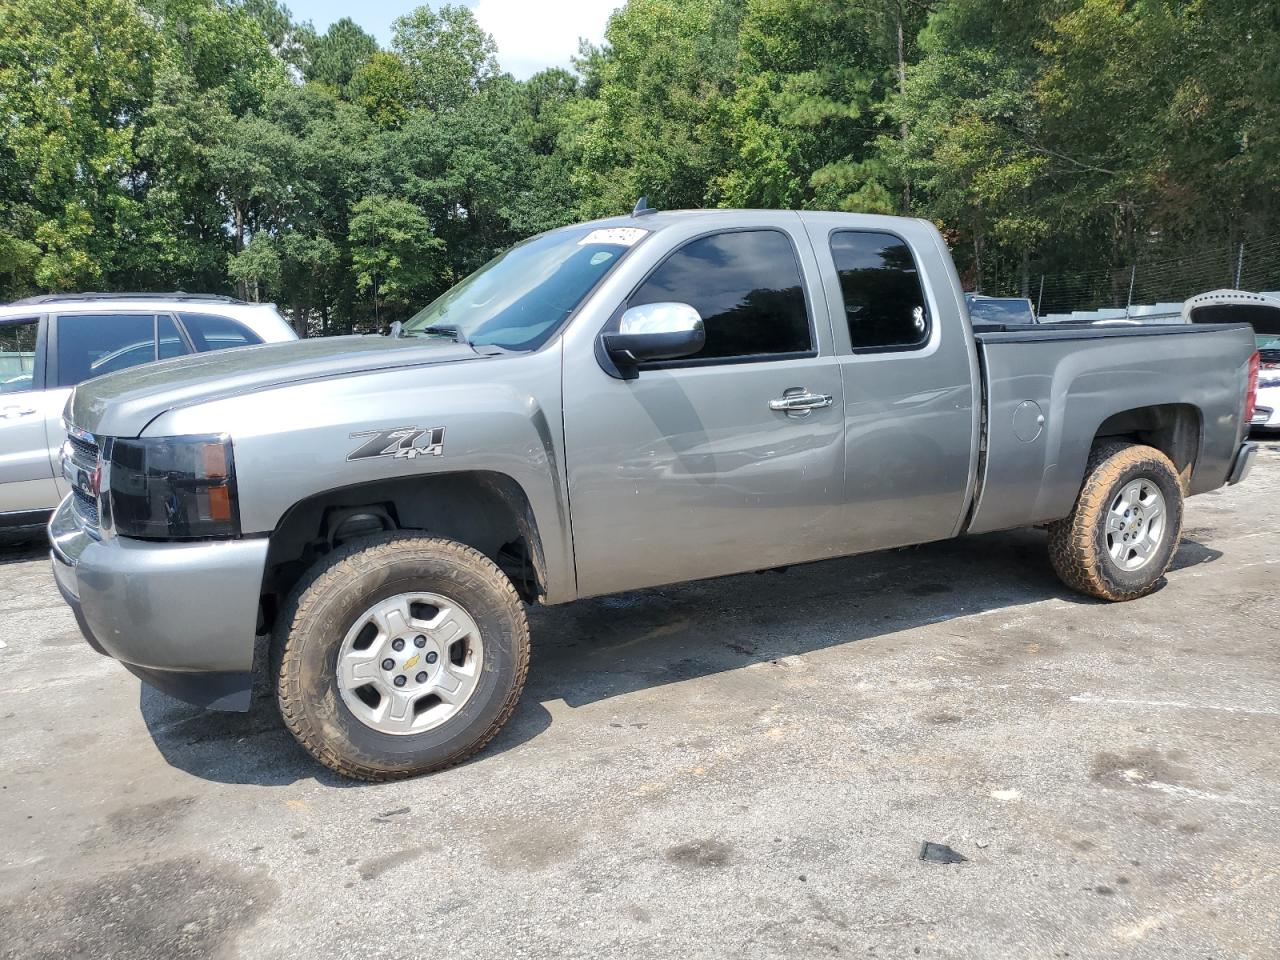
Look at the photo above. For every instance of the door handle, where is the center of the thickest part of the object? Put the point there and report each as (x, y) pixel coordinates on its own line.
(10, 413)
(802, 402)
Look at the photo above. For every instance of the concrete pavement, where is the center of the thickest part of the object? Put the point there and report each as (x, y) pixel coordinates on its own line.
(743, 767)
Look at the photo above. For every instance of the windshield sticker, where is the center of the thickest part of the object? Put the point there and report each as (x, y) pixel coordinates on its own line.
(402, 443)
(618, 236)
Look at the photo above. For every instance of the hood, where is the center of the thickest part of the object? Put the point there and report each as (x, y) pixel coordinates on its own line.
(122, 404)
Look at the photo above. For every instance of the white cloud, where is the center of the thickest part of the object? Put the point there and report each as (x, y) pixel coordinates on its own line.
(534, 34)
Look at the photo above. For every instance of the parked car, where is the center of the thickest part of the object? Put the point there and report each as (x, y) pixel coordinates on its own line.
(1001, 310)
(49, 344)
(1262, 313)
(621, 404)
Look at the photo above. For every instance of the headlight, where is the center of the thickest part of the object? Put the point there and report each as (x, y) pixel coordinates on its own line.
(174, 488)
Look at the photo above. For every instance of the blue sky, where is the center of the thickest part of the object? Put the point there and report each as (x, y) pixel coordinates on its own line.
(531, 34)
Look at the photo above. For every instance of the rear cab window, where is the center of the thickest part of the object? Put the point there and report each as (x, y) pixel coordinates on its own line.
(747, 287)
(884, 302)
(999, 309)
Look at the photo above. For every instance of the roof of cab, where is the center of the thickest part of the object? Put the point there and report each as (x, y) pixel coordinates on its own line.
(655, 220)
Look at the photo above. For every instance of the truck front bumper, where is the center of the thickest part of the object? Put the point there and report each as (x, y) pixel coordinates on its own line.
(181, 616)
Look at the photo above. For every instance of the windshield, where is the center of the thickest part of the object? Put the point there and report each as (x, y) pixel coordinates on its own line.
(519, 299)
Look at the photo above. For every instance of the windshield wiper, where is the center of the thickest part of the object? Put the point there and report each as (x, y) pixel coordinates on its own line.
(446, 330)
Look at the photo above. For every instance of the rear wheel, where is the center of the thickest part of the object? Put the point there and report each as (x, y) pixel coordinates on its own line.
(1121, 536)
(399, 655)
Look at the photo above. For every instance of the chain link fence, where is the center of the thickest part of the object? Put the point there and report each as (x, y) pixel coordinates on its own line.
(1252, 265)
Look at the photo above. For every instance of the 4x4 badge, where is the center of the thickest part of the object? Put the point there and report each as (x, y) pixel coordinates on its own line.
(403, 443)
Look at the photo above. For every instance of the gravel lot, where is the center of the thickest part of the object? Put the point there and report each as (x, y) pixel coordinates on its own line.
(743, 767)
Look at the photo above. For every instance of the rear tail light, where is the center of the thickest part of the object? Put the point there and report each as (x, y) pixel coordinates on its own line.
(1251, 393)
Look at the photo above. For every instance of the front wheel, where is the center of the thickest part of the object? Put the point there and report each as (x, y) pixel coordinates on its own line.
(400, 655)
(1121, 536)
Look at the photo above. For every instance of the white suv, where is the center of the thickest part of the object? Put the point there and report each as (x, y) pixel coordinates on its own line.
(51, 343)
(1262, 312)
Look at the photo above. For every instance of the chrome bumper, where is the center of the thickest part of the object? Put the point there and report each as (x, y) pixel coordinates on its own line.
(1243, 462)
(182, 616)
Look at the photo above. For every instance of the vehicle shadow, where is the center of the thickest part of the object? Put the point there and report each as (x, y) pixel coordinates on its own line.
(36, 549)
(601, 648)
(256, 748)
(597, 649)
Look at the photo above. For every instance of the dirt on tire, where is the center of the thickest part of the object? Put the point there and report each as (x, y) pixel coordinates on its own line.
(1076, 545)
(305, 633)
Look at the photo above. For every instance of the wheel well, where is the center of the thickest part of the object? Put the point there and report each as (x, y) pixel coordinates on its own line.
(1175, 429)
(487, 511)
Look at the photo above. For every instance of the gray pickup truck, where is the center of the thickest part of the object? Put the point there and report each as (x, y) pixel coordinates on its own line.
(636, 401)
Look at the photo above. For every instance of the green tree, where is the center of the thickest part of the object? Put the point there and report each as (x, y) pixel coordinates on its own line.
(968, 141)
(219, 145)
(336, 56)
(447, 53)
(657, 124)
(396, 257)
(257, 268)
(970, 123)
(1160, 145)
(812, 78)
(384, 87)
(75, 79)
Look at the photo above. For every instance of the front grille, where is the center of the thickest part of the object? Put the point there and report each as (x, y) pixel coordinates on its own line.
(86, 507)
(1269, 355)
(83, 451)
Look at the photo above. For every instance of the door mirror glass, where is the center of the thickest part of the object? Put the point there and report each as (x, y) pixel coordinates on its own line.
(655, 331)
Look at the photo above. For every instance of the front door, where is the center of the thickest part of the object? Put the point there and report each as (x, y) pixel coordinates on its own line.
(695, 468)
(26, 474)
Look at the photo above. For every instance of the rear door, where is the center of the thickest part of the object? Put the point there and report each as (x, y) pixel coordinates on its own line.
(26, 474)
(910, 379)
(687, 471)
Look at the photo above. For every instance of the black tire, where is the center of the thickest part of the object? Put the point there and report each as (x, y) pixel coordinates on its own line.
(324, 606)
(1078, 542)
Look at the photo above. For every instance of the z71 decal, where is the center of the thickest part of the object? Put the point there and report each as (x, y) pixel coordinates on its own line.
(402, 443)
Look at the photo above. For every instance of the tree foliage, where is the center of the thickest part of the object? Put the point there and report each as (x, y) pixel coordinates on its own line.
(220, 145)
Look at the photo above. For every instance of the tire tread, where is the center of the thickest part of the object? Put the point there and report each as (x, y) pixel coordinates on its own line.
(1074, 549)
(338, 569)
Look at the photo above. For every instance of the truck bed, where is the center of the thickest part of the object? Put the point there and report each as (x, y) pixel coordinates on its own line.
(1088, 381)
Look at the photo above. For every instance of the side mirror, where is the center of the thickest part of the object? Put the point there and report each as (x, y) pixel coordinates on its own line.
(655, 331)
